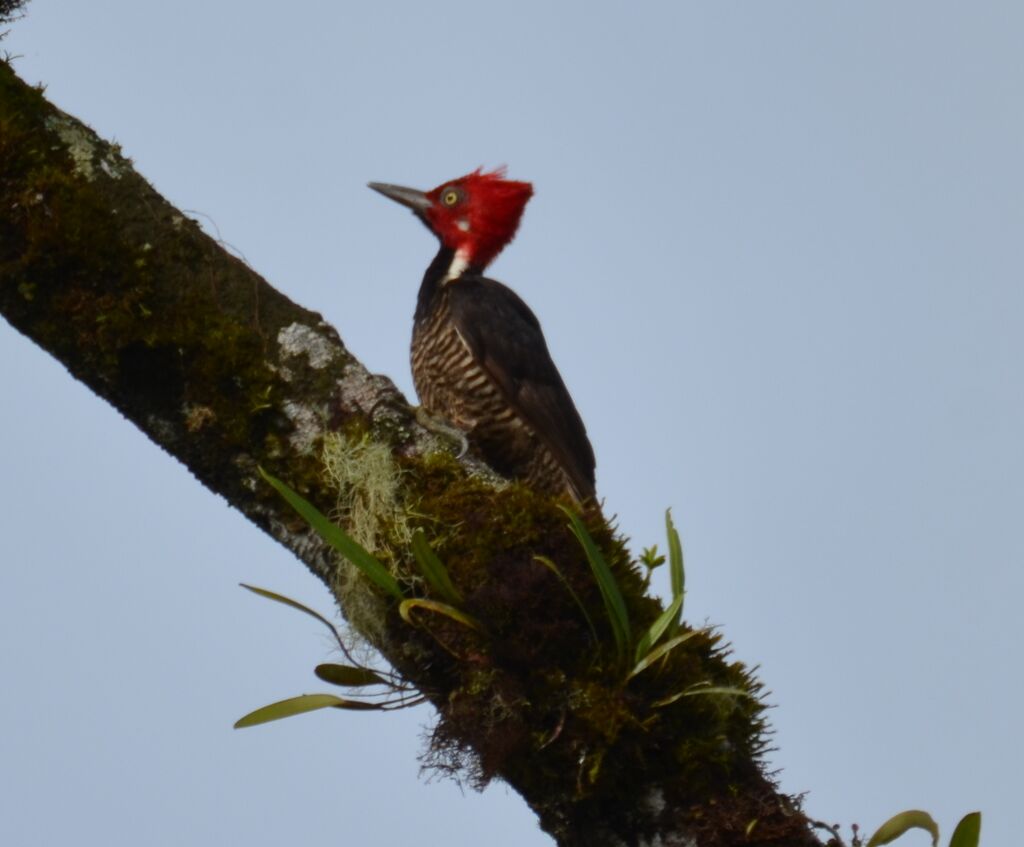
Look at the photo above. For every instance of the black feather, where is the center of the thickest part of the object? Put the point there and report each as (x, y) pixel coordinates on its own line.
(505, 338)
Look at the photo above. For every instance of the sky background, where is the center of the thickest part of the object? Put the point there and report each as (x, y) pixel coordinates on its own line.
(778, 253)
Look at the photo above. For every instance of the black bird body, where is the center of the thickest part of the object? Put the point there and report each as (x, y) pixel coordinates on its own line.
(479, 358)
(480, 362)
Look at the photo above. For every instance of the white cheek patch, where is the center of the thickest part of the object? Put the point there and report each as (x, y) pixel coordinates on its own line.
(462, 224)
(460, 261)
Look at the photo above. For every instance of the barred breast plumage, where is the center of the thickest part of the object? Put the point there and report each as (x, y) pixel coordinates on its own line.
(454, 386)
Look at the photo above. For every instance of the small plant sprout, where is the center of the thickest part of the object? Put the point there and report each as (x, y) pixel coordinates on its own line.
(651, 560)
(966, 834)
(387, 689)
(635, 651)
(649, 648)
(338, 539)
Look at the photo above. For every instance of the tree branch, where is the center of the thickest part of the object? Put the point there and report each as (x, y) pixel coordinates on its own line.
(228, 375)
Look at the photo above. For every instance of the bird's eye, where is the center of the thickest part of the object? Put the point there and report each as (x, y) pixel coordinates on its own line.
(451, 197)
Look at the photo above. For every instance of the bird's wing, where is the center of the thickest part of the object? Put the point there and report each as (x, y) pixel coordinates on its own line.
(505, 338)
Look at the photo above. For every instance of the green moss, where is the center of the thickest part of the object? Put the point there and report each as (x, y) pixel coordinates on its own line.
(541, 656)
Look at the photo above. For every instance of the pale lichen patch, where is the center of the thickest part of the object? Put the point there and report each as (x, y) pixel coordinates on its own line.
(110, 168)
(670, 840)
(164, 432)
(297, 339)
(367, 481)
(655, 801)
(361, 389)
(282, 371)
(480, 470)
(82, 149)
(196, 417)
(307, 426)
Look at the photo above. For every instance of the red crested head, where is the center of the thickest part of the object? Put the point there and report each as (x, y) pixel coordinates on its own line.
(478, 214)
(475, 215)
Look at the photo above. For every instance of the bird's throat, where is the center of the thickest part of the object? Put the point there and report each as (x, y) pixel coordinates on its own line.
(457, 267)
(448, 265)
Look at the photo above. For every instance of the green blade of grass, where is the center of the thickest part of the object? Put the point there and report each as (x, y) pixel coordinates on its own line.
(551, 566)
(299, 705)
(661, 650)
(657, 629)
(295, 604)
(338, 539)
(615, 606)
(695, 690)
(348, 676)
(434, 570)
(676, 571)
(903, 822)
(406, 607)
(967, 832)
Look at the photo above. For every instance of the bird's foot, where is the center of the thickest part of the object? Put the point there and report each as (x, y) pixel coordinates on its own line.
(445, 430)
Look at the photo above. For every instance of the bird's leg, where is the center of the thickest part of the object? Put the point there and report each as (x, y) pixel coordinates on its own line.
(445, 430)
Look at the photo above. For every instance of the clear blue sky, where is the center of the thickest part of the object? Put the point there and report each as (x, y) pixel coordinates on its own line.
(778, 252)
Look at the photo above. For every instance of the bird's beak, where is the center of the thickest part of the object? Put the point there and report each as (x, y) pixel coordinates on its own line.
(415, 200)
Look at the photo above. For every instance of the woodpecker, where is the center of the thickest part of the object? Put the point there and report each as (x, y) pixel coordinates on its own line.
(479, 359)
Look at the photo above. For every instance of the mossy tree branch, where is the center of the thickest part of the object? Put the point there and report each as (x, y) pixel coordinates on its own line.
(227, 374)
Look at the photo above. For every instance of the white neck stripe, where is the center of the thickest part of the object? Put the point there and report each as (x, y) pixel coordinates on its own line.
(460, 262)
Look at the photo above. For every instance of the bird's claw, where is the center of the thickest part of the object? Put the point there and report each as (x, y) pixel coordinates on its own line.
(443, 429)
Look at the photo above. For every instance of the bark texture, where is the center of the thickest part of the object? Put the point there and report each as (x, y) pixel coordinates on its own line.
(227, 374)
